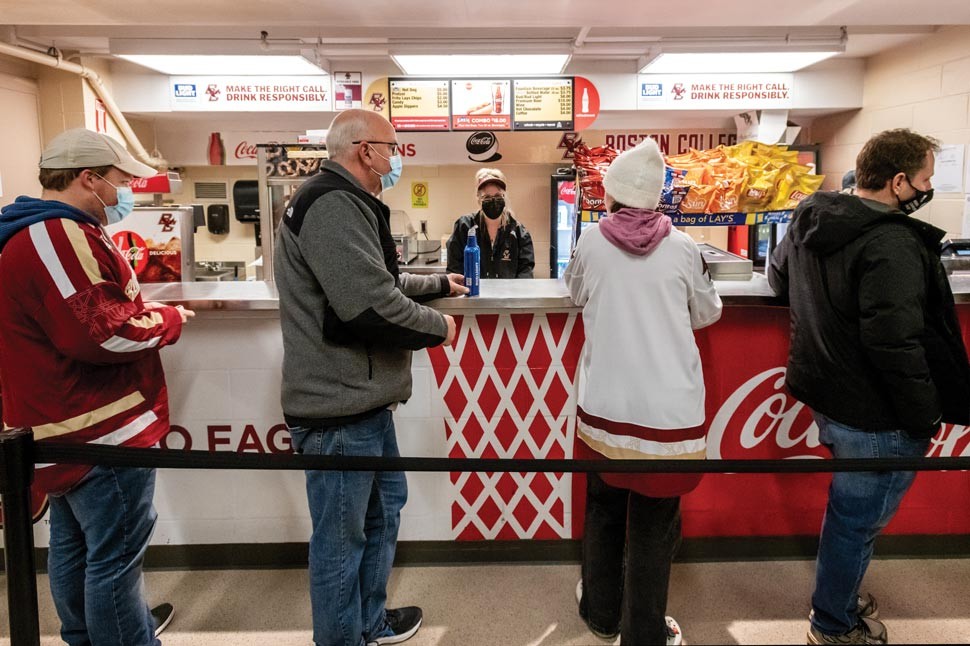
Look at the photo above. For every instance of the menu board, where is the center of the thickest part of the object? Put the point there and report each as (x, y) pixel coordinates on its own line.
(542, 104)
(419, 104)
(481, 105)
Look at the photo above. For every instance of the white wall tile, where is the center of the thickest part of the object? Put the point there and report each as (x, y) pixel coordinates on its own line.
(421, 437)
(199, 394)
(255, 394)
(277, 495)
(189, 494)
(419, 405)
(956, 77)
(939, 115)
(890, 118)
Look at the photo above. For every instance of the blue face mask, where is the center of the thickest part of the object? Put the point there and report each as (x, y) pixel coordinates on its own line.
(389, 180)
(126, 203)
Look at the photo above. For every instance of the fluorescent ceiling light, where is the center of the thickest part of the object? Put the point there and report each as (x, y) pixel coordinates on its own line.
(202, 65)
(481, 64)
(740, 62)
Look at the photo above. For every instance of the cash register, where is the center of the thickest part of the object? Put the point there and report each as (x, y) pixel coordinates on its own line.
(955, 254)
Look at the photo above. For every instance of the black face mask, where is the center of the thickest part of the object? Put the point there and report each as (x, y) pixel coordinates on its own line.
(915, 203)
(493, 208)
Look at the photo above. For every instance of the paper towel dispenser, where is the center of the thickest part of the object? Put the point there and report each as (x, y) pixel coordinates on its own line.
(217, 219)
(245, 200)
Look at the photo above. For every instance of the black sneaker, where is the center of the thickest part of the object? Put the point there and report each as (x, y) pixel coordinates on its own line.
(403, 622)
(866, 608)
(162, 615)
(579, 602)
(867, 631)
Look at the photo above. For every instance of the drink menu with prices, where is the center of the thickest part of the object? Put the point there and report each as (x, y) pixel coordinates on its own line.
(481, 105)
(542, 104)
(420, 104)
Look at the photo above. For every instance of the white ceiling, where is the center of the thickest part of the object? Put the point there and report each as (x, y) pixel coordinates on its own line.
(470, 14)
(361, 30)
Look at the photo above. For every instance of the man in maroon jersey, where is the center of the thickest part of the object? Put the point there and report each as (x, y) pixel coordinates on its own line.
(79, 363)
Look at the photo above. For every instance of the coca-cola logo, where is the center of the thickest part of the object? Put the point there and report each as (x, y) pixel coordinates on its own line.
(482, 147)
(480, 142)
(132, 248)
(245, 150)
(773, 425)
(952, 442)
(138, 182)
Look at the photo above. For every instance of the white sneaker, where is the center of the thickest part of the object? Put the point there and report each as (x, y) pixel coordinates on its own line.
(674, 636)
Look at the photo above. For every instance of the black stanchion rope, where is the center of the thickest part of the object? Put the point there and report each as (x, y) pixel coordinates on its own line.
(51, 452)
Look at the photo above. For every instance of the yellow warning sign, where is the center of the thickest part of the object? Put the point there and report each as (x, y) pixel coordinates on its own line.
(419, 195)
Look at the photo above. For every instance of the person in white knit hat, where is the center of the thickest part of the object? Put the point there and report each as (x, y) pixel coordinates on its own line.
(644, 289)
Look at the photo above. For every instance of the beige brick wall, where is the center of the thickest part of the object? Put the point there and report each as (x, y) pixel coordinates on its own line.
(924, 85)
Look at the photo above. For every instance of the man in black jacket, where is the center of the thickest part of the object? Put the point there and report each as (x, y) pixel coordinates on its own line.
(876, 353)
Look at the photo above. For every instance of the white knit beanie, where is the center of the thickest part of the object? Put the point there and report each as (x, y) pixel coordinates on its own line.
(636, 177)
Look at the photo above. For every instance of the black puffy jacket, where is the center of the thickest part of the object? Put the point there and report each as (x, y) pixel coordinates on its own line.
(510, 255)
(875, 341)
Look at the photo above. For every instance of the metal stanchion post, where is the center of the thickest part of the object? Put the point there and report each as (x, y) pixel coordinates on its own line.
(16, 474)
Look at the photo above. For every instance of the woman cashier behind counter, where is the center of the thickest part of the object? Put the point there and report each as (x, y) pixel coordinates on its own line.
(506, 245)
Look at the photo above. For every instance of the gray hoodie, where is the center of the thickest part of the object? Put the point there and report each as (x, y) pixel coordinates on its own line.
(349, 320)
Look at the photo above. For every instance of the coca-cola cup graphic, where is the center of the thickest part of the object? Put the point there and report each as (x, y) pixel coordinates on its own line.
(132, 246)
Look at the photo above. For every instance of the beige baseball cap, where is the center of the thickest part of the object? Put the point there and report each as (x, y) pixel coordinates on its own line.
(83, 148)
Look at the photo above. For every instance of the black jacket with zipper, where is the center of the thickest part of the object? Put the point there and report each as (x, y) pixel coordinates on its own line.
(875, 341)
(510, 255)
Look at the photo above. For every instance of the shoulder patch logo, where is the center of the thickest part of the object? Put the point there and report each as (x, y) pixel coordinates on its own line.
(132, 288)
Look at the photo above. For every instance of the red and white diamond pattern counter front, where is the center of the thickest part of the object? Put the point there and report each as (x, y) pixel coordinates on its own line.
(507, 385)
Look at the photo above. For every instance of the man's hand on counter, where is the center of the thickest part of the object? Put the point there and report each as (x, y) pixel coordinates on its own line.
(457, 282)
(184, 313)
(452, 330)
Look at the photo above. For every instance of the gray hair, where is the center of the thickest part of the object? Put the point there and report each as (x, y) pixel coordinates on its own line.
(350, 126)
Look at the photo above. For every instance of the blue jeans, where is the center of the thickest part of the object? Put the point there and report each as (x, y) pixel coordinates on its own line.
(356, 516)
(99, 533)
(860, 506)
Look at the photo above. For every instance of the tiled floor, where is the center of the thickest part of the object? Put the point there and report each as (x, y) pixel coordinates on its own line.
(766, 602)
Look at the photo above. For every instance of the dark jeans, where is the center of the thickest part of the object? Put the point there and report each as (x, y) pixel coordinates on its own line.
(628, 594)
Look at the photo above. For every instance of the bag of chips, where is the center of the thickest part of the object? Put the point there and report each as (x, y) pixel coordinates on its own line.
(698, 199)
(760, 189)
(727, 196)
(795, 188)
(674, 191)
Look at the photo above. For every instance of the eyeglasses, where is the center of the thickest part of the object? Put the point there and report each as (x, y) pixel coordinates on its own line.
(484, 198)
(365, 141)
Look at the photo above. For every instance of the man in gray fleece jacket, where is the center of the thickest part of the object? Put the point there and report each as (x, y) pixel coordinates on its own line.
(350, 322)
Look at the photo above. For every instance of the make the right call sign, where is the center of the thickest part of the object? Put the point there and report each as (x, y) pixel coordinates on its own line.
(714, 91)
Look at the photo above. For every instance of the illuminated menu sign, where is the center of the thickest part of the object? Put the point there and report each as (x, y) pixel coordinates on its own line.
(542, 104)
(419, 104)
(481, 105)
